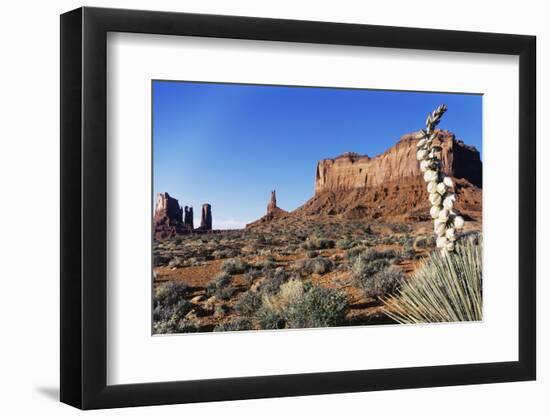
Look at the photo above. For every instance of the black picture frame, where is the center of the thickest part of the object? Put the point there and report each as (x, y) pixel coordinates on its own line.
(84, 207)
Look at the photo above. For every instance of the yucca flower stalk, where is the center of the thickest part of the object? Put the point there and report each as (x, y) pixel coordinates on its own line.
(440, 186)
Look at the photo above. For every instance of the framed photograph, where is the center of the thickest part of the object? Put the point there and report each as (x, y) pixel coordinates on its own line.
(257, 208)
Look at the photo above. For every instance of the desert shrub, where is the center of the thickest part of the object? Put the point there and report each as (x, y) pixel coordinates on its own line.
(446, 288)
(235, 266)
(320, 307)
(318, 265)
(176, 262)
(217, 284)
(225, 293)
(311, 253)
(345, 243)
(372, 255)
(354, 252)
(408, 253)
(316, 243)
(268, 263)
(251, 275)
(160, 260)
(368, 230)
(400, 228)
(385, 282)
(364, 266)
(233, 325)
(248, 303)
(163, 312)
(224, 253)
(424, 242)
(274, 278)
(174, 325)
(299, 305)
(269, 319)
(169, 294)
(170, 308)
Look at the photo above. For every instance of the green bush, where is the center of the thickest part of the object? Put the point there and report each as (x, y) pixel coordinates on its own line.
(446, 288)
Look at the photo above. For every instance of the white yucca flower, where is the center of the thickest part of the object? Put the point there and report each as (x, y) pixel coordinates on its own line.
(434, 212)
(424, 165)
(458, 222)
(450, 234)
(430, 175)
(421, 143)
(441, 188)
(441, 242)
(439, 229)
(448, 182)
(444, 215)
(431, 187)
(448, 202)
(435, 199)
(450, 246)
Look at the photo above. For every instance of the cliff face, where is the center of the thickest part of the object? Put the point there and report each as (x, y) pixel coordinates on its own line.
(353, 172)
(391, 185)
(167, 210)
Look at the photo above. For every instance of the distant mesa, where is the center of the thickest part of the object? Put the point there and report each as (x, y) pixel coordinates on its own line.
(171, 219)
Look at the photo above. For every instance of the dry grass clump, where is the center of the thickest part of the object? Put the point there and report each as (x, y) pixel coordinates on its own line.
(447, 288)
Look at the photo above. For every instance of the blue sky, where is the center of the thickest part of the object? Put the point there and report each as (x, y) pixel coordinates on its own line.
(230, 144)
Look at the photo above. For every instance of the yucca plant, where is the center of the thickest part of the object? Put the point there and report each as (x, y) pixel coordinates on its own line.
(446, 288)
(440, 187)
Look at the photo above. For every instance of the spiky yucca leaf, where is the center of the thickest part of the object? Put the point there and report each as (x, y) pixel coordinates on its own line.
(446, 288)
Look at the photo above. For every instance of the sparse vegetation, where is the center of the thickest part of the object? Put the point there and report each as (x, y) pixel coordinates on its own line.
(235, 266)
(302, 274)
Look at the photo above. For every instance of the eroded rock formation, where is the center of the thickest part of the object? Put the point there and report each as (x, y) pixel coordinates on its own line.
(351, 171)
(206, 217)
(391, 184)
(167, 210)
(168, 217)
(188, 219)
(273, 211)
